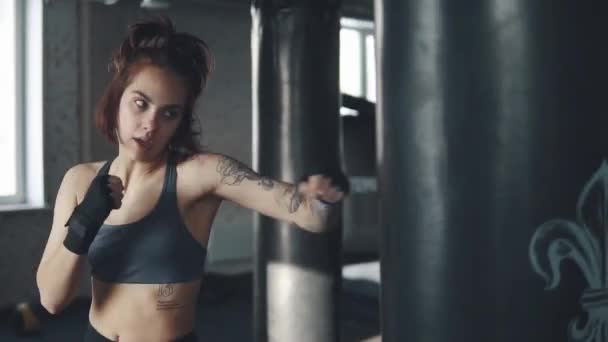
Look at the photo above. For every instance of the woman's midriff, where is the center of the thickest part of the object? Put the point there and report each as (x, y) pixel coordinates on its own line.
(143, 312)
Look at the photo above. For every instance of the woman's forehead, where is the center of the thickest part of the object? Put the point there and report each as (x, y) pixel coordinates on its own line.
(160, 85)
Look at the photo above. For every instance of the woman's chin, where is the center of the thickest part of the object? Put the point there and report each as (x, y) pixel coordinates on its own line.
(144, 155)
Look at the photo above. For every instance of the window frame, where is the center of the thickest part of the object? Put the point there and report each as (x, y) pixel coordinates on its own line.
(29, 96)
(19, 81)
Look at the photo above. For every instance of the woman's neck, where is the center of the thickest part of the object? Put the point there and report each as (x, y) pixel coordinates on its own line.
(129, 170)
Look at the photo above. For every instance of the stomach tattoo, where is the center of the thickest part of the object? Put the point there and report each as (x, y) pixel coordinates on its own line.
(164, 298)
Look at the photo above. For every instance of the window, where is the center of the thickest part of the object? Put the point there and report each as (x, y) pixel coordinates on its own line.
(11, 185)
(21, 70)
(357, 60)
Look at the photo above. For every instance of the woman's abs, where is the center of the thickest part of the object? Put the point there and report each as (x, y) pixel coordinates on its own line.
(143, 311)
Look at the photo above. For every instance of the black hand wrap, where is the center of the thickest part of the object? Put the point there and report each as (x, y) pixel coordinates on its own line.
(88, 216)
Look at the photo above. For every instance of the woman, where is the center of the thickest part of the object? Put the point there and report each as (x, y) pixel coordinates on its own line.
(143, 219)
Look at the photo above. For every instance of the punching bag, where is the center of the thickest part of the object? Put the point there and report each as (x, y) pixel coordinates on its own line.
(296, 130)
(489, 125)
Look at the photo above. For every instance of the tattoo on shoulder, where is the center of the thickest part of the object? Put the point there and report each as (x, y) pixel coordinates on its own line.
(234, 172)
(165, 300)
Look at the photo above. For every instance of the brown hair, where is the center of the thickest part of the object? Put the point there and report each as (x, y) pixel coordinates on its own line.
(155, 42)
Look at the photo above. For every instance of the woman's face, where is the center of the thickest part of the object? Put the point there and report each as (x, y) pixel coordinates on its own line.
(151, 108)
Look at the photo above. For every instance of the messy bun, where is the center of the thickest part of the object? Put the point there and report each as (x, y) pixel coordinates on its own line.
(156, 42)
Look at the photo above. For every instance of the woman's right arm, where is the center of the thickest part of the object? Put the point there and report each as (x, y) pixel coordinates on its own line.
(60, 270)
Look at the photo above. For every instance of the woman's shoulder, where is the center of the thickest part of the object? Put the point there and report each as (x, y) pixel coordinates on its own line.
(197, 174)
(201, 160)
(83, 173)
(202, 167)
(86, 169)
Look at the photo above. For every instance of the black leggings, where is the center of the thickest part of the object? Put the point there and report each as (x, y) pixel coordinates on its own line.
(92, 335)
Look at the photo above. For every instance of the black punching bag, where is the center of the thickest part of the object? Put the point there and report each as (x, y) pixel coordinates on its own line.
(296, 129)
(489, 124)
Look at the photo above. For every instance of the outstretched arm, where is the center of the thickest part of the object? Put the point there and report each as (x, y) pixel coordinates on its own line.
(307, 204)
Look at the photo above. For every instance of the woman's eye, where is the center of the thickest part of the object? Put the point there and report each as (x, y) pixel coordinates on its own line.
(171, 114)
(141, 104)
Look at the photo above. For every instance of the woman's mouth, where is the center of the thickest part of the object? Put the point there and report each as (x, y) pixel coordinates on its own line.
(143, 143)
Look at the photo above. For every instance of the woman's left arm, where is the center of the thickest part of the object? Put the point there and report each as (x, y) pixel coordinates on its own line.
(308, 204)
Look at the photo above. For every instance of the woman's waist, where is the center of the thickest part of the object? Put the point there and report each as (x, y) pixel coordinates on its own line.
(141, 331)
(152, 309)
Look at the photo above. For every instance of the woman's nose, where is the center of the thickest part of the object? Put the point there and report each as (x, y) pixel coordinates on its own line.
(150, 123)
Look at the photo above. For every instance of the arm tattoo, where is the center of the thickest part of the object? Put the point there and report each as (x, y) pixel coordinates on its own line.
(234, 172)
(290, 198)
(165, 302)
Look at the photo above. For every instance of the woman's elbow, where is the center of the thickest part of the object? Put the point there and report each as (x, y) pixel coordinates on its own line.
(52, 305)
(50, 302)
(51, 308)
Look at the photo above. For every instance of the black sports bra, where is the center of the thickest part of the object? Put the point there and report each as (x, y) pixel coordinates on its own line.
(156, 249)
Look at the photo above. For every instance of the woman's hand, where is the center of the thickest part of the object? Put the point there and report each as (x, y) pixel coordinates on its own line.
(104, 195)
(327, 189)
(322, 191)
